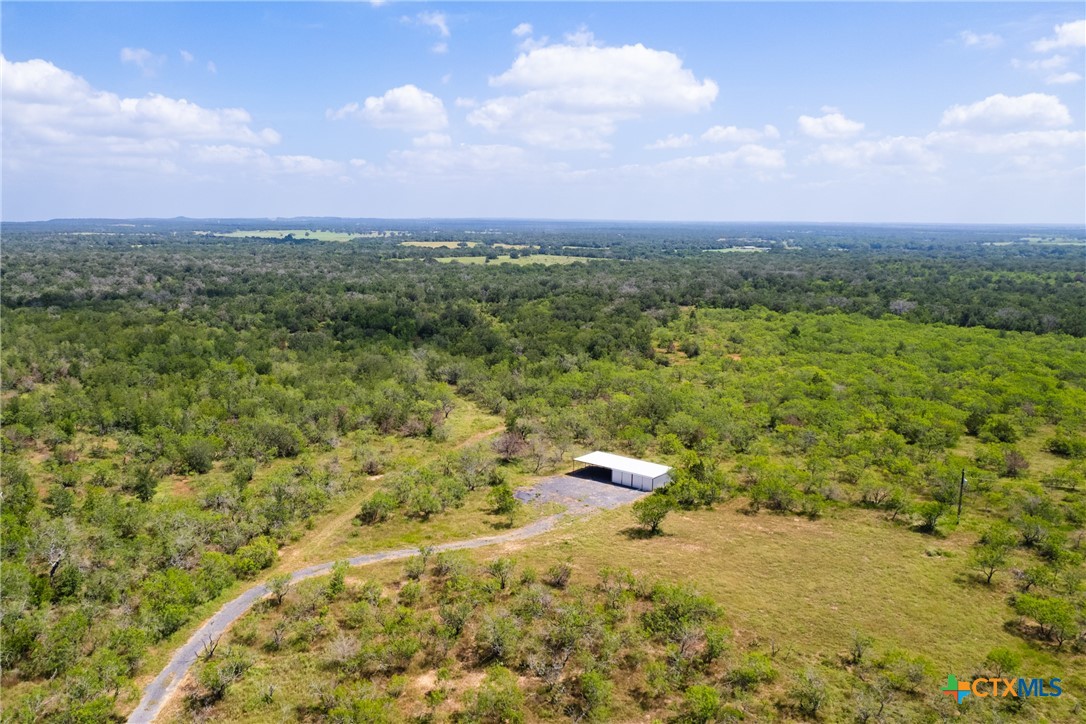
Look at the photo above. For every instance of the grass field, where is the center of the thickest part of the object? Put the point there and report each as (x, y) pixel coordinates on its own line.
(439, 244)
(740, 249)
(546, 259)
(296, 233)
(789, 586)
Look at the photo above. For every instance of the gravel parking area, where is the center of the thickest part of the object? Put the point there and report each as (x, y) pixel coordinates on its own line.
(578, 494)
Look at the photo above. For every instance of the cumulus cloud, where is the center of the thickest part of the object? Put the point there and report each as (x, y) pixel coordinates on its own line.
(48, 105)
(406, 108)
(892, 151)
(211, 68)
(979, 40)
(1066, 35)
(672, 141)
(439, 48)
(143, 59)
(732, 134)
(52, 117)
(1032, 110)
(572, 95)
(832, 125)
(187, 56)
(523, 30)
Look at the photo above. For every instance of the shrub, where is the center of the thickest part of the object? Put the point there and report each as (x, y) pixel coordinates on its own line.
(498, 701)
(1067, 444)
(809, 692)
(219, 674)
(378, 508)
(594, 693)
(1003, 661)
(254, 557)
(410, 593)
(195, 455)
(755, 669)
(558, 575)
(701, 704)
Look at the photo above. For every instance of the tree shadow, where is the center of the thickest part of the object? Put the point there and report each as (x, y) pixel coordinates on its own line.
(638, 533)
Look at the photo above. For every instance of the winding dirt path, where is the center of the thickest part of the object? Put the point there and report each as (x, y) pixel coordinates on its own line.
(160, 691)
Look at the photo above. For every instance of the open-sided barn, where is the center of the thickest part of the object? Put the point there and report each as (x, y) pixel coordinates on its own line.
(629, 472)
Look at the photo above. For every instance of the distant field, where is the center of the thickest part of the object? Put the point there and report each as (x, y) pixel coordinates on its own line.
(439, 244)
(501, 245)
(740, 249)
(546, 259)
(296, 233)
(1053, 240)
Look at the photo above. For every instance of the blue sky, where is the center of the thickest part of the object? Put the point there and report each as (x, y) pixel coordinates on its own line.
(680, 111)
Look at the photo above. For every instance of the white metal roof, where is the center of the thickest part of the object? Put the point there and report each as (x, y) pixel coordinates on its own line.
(626, 465)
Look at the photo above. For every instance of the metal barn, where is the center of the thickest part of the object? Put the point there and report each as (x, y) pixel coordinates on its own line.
(629, 472)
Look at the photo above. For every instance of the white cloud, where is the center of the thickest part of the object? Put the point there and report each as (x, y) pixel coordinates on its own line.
(260, 160)
(1004, 143)
(1066, 35)
(1053, 63)
(892, 151)
(466, 102)
(979, 40)
(523, 30)
(187, 56)
(440, 48)
(732, 134)
(211, 68)
(1063, 78)
(750, 156)
(1032, 110)
(581, 37)
(143, 59)
(431, 19)
(406, 108)
(465, 160)
(432, 140)
(832, 125)
(672, 141)
(47, 105)
(572, 95)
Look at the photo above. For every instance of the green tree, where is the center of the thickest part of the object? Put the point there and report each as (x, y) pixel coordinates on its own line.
(988, 559)
(279, 585)
(930, 513)
(651, 510)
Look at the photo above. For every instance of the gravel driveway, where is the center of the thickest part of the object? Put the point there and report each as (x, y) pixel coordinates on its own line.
(580, 495)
